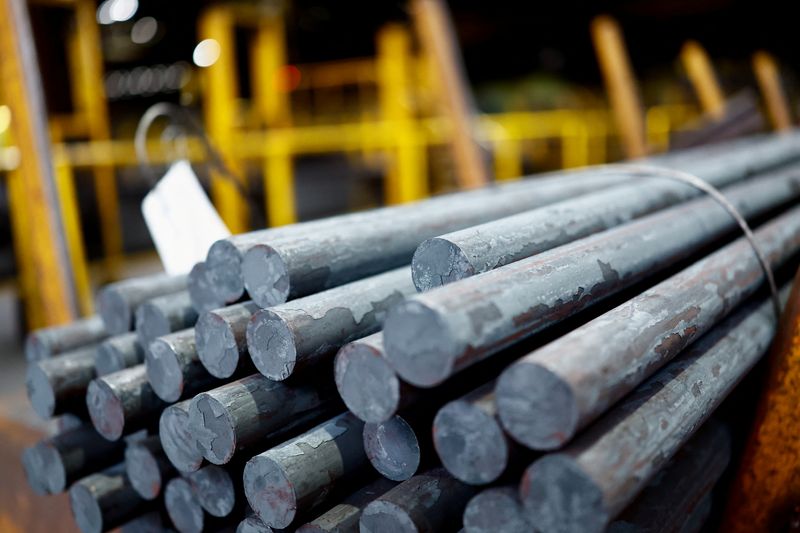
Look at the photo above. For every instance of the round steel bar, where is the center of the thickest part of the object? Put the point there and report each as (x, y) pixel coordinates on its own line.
(496, 510)
(221, 339)
(201, 291)
(46, 342)
(118, 353)
(177, 440)
(344, 517)
(163, 315)
(100, 502)
(58, 385)
(174, 369)
(147, 466)
(118, 301)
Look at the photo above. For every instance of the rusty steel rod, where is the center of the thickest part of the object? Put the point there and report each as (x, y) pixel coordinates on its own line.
(546, 397)
(58, 385)
(432, 501)
(302, 473)
(46, 342)
(53, 464)
(118, 301)
(670, 500)
(240, 415)
(174, 369)
(221, 339)
(487, 246)
(185, 511)
(177, 439)
(298, 335)
(606, 467)
(344, 516)
(147, 467)
(163, 315)
(496, 510)
(122, 402)
(118, 353)
(201, 291)
(102, 501)
(433, 335)
(218, 489)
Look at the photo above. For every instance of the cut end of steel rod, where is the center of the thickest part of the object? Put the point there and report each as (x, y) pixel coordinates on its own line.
(216, 345)
(214, 489)
(470, 443)
(418, 344)
(392, 448)
(224, 271)
(558, 496)
(266, 276)
(86, 509)
(36, 348)
(213, 427)
(496, 510)
(270, 492)
(151, 322)
(536, 407)
(109, 360)
(271, 345)
(201, 290)
(105, 409)
(178, 442)
(253, 524)
(44, 469)
(438, 262)
(143, 471)
(40, 391)
(381, 516)
(115, 311)
(183, 507)
(367, 384)
(164, 370)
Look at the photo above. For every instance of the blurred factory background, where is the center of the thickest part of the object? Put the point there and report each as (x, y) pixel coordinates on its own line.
(298, 109)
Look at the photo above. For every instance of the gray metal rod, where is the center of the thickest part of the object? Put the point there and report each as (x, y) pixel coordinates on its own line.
(433, 501)
(292, 337)
(344, 517)
(496, 510)
(393, 448)
(100, 502)
(118, 353)
(433, 335)
(147, 467)
(302, 473)
(253, 524)
(58, 385)
(152, 522)
(606, 467)
(117, 302)
(185, 511)
(242, 414)
(670, 500)
(221, 338)
(163, 315)
(53, 464)
(487, 246)
(201, 291)
(177, 440)
(174, 368)
(46, 342)
(545, 397)
(122, 402)
(218, 489)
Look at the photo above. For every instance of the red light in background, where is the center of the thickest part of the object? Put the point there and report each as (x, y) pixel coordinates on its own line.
(289, 77)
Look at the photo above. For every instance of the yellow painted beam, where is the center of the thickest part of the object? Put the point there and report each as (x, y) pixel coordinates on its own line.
(769, 81)
(701, 75)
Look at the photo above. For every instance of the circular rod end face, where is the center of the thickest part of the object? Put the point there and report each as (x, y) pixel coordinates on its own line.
(271, 344)
(270, 492)
(438, 262)
(105, 410)
(216, 345)
(381, 516)
(164, 370)
(366, 383)
(85, 509)
(40, 391)
(213, 427)
(392, 448)
(266, 276)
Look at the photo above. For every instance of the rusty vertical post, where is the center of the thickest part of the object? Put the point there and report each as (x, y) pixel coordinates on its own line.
(769, 81)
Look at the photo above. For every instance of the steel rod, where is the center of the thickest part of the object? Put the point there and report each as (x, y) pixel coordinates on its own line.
(496, 510)
(433, 335)
(240, 415)
(607, 466)
(185, 511)
(152, 522)
(218, 489)
(201, 291)
(147, 467)
(487, 246)
(118, 301)
(162, 315)
(298, 335)
(177, 440)
(253, 524)
(303, 472)
(100, 502)
(433, 501)
(46, 342)
(393, 447)
(58, 385)
(122, 402)
(221, 339)
(118, 353)
(53, 464)
(344, 517)
(545, 397)
(174, 369)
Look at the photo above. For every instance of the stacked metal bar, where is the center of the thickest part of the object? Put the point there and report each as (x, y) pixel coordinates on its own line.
(296, 379)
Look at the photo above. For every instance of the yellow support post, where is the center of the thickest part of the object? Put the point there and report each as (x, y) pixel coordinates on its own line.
(701, 75)
(769, 81)
(406, 176)
(575, 143)
(279, 180)
(22, 87)
(220, 109)
(92, 104)
(620, 84)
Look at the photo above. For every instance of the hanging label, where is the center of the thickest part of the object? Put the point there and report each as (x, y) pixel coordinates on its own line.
(181, 219)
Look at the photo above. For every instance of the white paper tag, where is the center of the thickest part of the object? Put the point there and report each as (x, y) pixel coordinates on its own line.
(182, 221)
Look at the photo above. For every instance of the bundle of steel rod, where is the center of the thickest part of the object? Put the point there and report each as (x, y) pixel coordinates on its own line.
(538, 355)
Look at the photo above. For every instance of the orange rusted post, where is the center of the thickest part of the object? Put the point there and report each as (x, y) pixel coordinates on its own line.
(769, 81)
(767, 486)
(701, 74)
